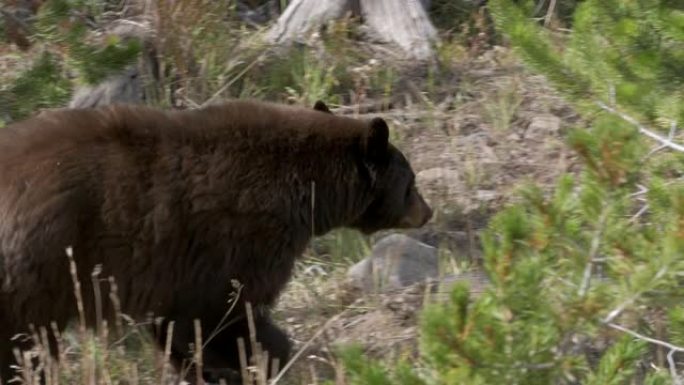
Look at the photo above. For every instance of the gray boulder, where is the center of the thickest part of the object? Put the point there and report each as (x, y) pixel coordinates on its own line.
(122, 88)
(396, 261)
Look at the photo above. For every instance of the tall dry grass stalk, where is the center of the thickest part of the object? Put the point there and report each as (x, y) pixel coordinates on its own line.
(96, 359)
(198, 352)
(87, 366)
(167, 353)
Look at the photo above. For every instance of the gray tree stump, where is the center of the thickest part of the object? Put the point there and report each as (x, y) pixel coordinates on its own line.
(303, 16)
(404, 23)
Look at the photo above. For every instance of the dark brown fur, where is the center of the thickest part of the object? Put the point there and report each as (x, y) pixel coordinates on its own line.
(174, 205)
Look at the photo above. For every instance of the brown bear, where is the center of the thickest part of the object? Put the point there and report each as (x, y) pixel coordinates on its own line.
(176, 205)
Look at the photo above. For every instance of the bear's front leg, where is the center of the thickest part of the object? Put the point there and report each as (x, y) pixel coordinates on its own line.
(222, 354)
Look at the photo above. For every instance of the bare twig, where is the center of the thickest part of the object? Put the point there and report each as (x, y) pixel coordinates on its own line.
(645, 338)
(235, 78)
(222, 323)
(642, 190)
(676, 379)
(620, 308)
(670, 137)
(539, 366)
(591, 260)
(370, 107)
(638, 214)
(664, 141)
(538, 7)
(306, 345)
(550, 12)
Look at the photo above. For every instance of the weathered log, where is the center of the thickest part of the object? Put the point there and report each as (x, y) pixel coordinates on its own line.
(303, 16)
(402, 22)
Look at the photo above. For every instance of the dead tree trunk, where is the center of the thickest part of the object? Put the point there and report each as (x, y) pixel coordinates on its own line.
(302, 16)
(401, 22)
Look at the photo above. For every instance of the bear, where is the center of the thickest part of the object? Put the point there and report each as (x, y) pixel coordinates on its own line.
(177, 206)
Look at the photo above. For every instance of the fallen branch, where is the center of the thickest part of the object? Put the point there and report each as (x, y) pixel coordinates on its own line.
(593, 253)
(618, 310)
(638, 214)
(664, 141)
(670, 136)
(676, 379)
(301, 350)
(364, 108)
(235, 78)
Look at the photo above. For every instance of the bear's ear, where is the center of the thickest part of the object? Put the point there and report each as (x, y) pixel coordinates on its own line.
(378, 139)
(320, 106)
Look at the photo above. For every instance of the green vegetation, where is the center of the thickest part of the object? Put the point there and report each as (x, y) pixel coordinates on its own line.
(40, 86)
(585, 282)
(63, 26)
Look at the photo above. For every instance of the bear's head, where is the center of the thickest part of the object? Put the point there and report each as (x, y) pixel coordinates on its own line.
(395, 200)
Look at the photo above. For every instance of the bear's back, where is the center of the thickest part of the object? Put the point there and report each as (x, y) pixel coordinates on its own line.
(130, 166)
(239, 122)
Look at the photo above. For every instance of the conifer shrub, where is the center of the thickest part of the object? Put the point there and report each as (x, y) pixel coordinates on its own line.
(586, 282)
(67, 57)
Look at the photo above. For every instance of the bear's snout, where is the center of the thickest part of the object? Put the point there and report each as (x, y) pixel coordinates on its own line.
(417, 214)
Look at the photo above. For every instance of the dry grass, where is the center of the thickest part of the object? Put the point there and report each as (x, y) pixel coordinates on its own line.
(87, 356)
(128, 355)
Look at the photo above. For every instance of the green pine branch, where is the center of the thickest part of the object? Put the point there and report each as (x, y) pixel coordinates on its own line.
(62, 31)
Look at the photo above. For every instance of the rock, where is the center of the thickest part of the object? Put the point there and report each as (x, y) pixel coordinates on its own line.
(462, 245)
(396, 261)
(360, 271)
(123, 88)
(544, 125)
(486, 195)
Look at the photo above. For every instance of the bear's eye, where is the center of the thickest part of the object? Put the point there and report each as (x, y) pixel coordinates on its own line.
(409, 190)
(409, 187)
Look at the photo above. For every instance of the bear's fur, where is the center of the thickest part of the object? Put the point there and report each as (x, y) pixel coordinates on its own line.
(175, 205)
